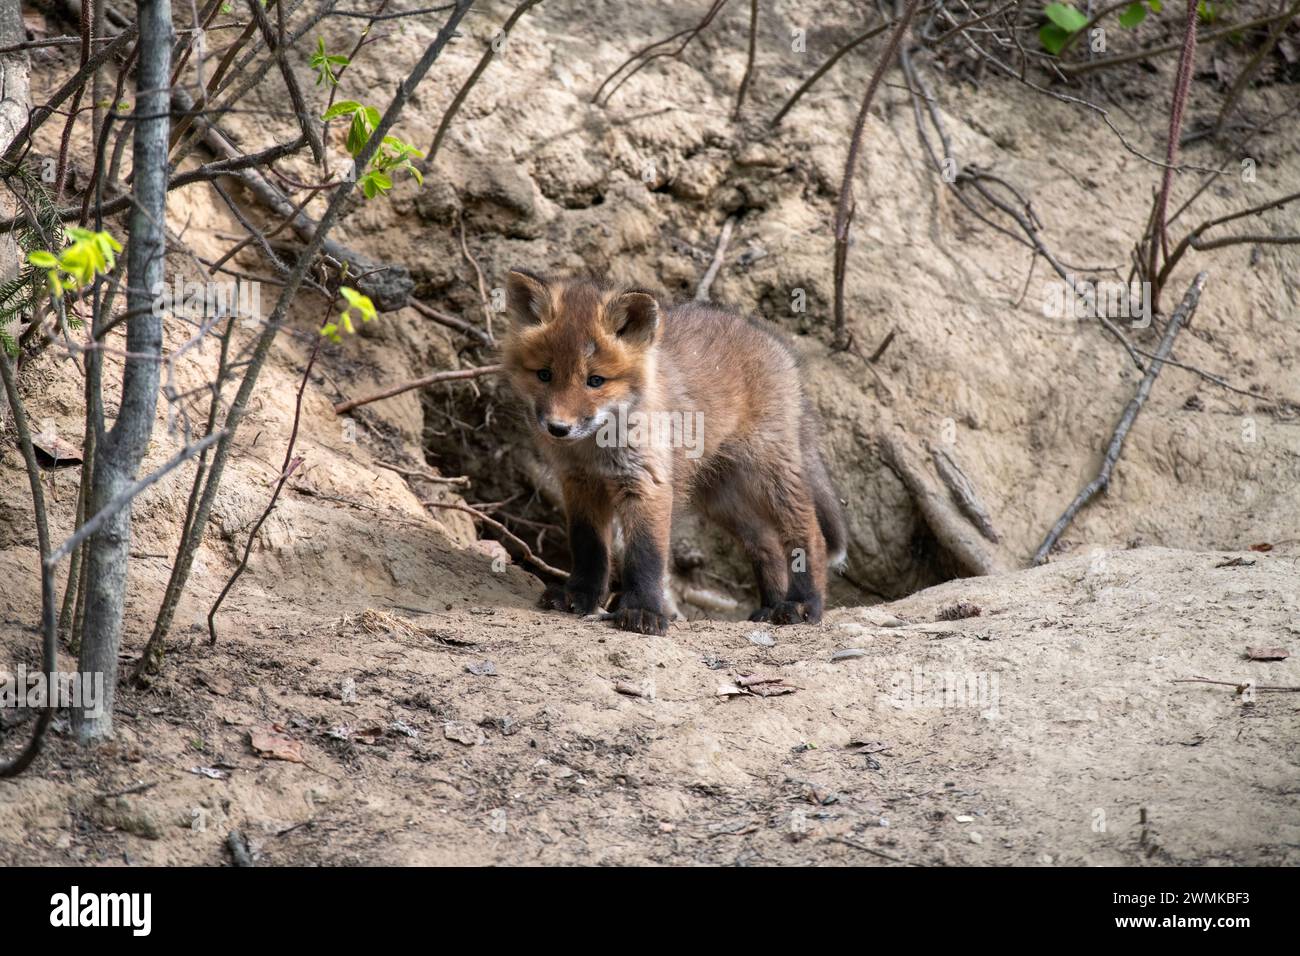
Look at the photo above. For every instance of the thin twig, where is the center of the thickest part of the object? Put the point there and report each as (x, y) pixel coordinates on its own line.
(719, 252)
(1089, 66)
(492, 522)
(1240, 687)
(289, 466)
(465, 373)
(426, 475)
(749, 60)
(1181, 316)
(450, 321)
(843, 210)
(49, 624)
(649, 54)
(123, 498)
(821, 71)
(486, 59)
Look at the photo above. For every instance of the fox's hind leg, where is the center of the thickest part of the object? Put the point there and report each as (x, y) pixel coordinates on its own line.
(792, 516)
(752, 508)
(763, 546)
(806, 549)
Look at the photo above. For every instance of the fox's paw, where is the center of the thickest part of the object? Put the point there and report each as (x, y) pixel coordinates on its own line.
(642, 620)
(557, 597)
(796, 612)
(762, 614)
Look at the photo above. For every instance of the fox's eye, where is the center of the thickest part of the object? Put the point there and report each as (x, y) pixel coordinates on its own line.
(544, 374)
(595, 381)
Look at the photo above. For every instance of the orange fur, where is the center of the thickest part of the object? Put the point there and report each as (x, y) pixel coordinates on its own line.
(584, 357)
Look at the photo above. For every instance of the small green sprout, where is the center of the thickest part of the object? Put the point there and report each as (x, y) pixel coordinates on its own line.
(356, 301)
(324, 64)
(391, 156)
(1065, 22)
(87, 255)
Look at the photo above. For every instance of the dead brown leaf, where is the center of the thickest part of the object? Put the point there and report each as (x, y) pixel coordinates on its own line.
(1267, 653)
(54, 452)
(268, 743)
(462, 733)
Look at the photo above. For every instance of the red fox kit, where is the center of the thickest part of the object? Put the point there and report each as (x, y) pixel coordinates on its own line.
(638, 409)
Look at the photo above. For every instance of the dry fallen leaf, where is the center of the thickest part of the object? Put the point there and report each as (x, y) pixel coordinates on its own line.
(462, 733)
(820, 795)
(368, 735)
(268, 743)
(1267, 653)
(1265, 546)
(54, 452)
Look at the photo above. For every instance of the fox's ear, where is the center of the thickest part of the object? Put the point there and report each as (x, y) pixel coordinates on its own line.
(527, 297)
(634, 318)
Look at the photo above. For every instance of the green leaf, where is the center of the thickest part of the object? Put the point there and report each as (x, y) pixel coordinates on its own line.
(360, 302)
(324, 63)
(375, 182)
(1132, 16)
(1053, 38)
(1156, 6)
(342, 108)
(87, 255)
(1066, 17)
(403, 149)
(358, 133)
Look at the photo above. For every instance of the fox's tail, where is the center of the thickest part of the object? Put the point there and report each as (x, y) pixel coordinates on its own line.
(830, 515)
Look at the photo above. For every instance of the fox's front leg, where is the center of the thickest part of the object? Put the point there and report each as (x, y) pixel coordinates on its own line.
(590, 515)
(647, 524)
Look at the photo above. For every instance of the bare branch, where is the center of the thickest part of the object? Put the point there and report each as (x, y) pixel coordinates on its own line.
(344, 407)
(1182, 315)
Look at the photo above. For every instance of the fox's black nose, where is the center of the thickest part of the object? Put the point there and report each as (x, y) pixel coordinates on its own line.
(558, 429)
